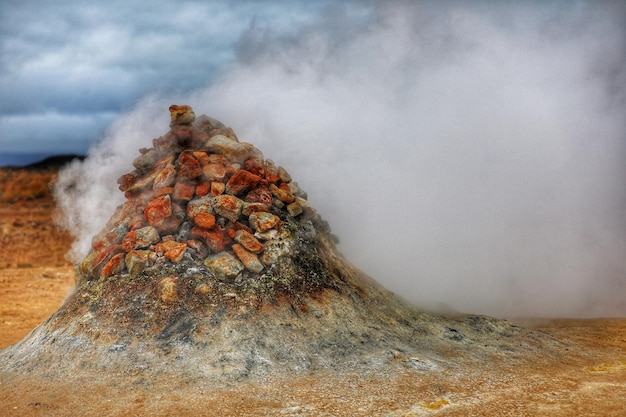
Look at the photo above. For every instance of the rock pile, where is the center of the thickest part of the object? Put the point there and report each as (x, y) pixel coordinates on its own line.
(199, 195)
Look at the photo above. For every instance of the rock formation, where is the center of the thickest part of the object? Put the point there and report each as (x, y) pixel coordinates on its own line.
(216, 268)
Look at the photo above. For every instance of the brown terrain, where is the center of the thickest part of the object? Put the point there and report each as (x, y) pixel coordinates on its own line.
(582, 373)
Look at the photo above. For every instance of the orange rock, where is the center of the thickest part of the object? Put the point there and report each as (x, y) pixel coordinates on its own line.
(114, 266)
(248, 241)
(214, 172)
(164, 191)
(165, 177)
(271, 172)
(183, 191)
(249, 208)
(202, 157)
(158, 209)
(283, 195)
(188, 165)
(174, 251)
(217, 188)
(227, 206)
(216, 239)
(242, 181)
(203, 189)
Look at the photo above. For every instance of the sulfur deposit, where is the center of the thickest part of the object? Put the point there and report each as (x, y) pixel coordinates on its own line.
(216, 269)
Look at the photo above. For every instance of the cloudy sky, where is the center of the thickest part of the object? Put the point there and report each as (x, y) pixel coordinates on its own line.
(470, 155)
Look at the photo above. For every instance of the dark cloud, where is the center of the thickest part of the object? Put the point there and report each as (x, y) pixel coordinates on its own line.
(73, 62)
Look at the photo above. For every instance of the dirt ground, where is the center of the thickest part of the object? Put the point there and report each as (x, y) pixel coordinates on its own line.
(35, 279)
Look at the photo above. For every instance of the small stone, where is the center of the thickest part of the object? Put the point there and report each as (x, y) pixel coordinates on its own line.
(271, 172)
(165, 177)
(140, 238)
(200, 211)
(114, 266)
(231, 148)
(280, 193)
(217, 188)
(214, 172)
(182, 114)
(158, 209)
(188, 166)
(284, 175)
(169, 225)
(249, 208)
(248, 241)
(167, 290)
(137, 261)
(163, 191)
(263, 221)
(203, 189)
(216, 239)
(254, 166)
(202, 157)
(227, 206)
(250, 260)
(223, 265)
(174, 251)
(202, 289)
(294, 209)
(242, 181)
(260, 195)
(183, 191)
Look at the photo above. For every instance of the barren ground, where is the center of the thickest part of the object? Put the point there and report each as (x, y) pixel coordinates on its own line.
(35, 279)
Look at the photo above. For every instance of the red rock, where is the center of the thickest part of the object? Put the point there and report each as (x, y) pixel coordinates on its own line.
(240, 226)
(255, 166)
(227, 206)
(158, 209)
(263, 221)
(283, 195)
(260, 195)
(217, 188)
(216, 239)
(203, 189)
(188, 165)
(114, 266)
(249, 260)
(163, 191)
(248, 241)
(183, 191)
(249, 208)
(214, 172)
(242, 181)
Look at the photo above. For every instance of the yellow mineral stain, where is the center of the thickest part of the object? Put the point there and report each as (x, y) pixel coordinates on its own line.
(607, 367)
(436, 405)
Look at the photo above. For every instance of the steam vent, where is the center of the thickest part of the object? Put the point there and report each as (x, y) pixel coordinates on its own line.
(217, 270)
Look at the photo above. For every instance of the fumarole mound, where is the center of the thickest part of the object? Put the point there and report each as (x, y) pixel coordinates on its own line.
(216, 269)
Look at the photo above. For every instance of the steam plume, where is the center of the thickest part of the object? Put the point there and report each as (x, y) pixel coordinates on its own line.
(469, 158)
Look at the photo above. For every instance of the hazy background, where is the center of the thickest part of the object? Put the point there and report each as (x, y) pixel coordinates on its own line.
(471, 156)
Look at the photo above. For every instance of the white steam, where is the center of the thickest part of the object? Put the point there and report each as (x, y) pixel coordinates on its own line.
(468, 159)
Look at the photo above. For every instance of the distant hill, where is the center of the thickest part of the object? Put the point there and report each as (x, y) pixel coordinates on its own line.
(56, 161)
